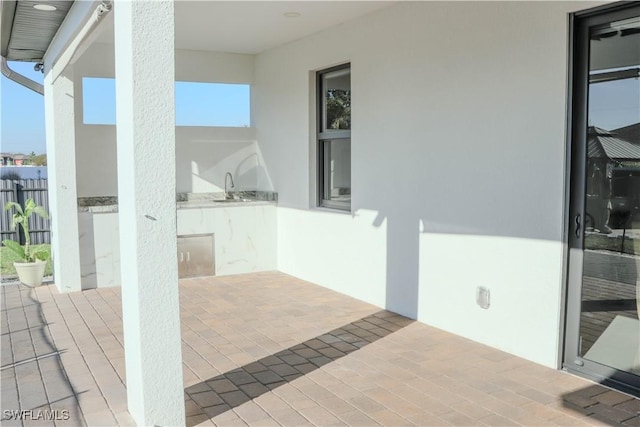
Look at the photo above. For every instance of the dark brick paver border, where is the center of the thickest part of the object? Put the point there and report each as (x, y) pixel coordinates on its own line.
(234, 388)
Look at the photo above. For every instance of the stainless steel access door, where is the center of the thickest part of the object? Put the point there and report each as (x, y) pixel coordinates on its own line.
(196, 255)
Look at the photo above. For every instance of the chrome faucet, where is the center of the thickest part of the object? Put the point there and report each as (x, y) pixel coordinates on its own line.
(226, 191)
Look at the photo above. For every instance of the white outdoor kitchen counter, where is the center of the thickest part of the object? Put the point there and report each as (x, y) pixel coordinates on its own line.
(244, 235)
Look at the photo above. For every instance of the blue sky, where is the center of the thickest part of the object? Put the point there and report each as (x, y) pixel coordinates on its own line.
(613, 105)
(197, 104)
(22, 127)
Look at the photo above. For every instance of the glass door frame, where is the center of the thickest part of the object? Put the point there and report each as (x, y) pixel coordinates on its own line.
(577, 125)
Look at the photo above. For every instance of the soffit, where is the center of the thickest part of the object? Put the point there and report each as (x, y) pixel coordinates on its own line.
(26, 31)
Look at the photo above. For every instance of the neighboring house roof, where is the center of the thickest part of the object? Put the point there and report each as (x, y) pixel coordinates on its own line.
(630, 133)
(606, 144)
(26, 32)
(14, 155)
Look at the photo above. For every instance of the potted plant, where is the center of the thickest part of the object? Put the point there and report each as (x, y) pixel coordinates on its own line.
(31, 266)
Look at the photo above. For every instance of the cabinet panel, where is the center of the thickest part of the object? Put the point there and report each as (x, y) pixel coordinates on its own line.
(196, 255)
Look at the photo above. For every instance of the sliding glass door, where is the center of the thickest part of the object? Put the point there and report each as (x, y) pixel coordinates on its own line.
(603, 330)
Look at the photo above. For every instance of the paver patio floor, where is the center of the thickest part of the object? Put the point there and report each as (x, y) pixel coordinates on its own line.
(270, 349)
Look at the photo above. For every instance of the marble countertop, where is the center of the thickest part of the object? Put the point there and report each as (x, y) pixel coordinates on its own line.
(107, 204)
(222, 204)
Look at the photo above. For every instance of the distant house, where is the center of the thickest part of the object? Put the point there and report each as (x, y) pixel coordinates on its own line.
(617, 145)
(6, 159)
(19, 159)
(612, 171)
(12, 159)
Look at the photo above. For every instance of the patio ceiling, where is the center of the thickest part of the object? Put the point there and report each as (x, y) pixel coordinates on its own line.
(223, 26)
(616, 52)
(254, 26)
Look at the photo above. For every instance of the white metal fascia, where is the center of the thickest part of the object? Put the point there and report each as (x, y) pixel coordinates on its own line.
(81, 42)
(79, 15)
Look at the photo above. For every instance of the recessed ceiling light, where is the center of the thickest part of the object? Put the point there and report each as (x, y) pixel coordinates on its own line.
(291, 14)
(46, 7)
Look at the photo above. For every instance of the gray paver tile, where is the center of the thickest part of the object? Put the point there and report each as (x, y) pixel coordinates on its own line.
(632, 422)
(632, 406)
(254, 389)
(357, 418)
(206, 399)
(612, 398)
(194, 420)
(103, 418)
(222, 385)
(306, 368)
(284, 370)
(239, 378)
(216, 410)
(290, 417)
(198, 388)
(316, 344)
(293, 359)
(234, 398)
(320, 360)
(255, 367)
(319, 416)
(307, 352)
(605, 412)
(267, 377)
(497, 420)
(251, 413)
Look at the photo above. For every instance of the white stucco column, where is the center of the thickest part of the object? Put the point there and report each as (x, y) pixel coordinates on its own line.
(61, 170)
(145, 118)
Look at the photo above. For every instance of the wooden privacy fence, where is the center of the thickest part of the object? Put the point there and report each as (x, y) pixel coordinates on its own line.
(19, 190)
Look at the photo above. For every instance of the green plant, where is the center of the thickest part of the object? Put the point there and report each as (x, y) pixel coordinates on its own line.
(339, 109)
(8, 257)
(21, 217)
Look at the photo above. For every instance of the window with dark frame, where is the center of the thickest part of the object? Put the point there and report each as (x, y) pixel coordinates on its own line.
(334, 137)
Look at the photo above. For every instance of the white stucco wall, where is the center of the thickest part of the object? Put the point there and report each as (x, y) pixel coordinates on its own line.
(203, 154)
(458, 163)
(191, 65)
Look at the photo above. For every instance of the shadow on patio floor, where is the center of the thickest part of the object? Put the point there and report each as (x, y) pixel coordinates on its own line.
(219, 394)
(35, 385)
(605, 405)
